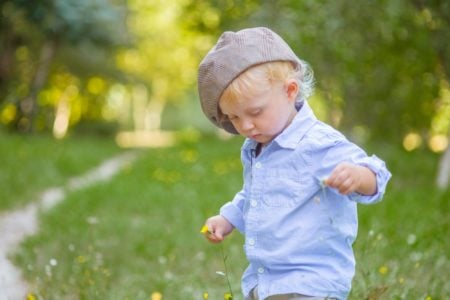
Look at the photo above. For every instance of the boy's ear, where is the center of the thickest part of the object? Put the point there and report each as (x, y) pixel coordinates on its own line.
(292, 89)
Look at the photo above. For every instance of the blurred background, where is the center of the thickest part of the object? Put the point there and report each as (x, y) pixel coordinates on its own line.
(84, 80)
(382, 67)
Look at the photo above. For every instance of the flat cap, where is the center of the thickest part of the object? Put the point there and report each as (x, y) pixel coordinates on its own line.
(234, 53)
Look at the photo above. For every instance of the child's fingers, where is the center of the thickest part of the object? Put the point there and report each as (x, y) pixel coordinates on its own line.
(342, 180)
(214, 239)
(333, 180)
(214, 236)
(346, 187)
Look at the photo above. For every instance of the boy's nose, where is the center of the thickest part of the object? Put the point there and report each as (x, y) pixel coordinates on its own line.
(246, 125)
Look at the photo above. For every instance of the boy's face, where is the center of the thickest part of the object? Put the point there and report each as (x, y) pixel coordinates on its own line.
(262, 117)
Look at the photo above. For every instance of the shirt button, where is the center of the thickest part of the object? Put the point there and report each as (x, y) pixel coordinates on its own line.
(254, 203)
(258, 165)
(251, 242)
(260, 270)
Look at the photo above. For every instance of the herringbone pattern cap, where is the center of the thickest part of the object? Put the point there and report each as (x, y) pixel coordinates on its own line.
(234, 53)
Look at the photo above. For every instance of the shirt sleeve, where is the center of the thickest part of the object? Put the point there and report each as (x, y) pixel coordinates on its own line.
(330, 148)
(233, 211)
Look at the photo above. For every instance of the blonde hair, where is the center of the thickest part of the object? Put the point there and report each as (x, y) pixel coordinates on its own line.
(261, 78)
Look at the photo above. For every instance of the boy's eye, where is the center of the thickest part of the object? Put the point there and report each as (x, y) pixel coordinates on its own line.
(256, 112)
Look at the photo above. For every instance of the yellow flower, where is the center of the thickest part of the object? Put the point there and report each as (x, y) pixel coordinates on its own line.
(81, 259)
(156, 296)
(205, 295)
(228, 296)
(383, 270)
(31, 297)
(189, 156)
(428, 298)
(204, 229)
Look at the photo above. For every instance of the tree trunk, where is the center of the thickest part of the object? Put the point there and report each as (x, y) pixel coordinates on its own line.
(6, 62)
(28, 107)
(443, 175)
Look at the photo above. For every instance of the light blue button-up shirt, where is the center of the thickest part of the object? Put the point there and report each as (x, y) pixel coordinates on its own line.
(299, 234)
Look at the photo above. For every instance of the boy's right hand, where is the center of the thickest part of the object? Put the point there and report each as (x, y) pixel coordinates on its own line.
(218, 229)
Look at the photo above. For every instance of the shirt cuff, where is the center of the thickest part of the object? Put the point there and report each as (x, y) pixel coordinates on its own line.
(382, 174)
(234, 215)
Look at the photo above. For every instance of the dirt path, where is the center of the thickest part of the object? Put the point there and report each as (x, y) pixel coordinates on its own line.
(18, 224)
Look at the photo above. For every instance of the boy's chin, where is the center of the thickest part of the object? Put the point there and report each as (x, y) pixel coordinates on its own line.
(261, 139)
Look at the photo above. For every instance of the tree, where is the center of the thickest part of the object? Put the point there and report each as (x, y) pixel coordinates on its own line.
(55, 26)
(436, 15)
(168, 39)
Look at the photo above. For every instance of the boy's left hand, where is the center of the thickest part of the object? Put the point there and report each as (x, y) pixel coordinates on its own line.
(345, 178)
(348, 178)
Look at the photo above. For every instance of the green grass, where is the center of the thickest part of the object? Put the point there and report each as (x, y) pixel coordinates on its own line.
(403, 246)
(139, 233)
(29, 164)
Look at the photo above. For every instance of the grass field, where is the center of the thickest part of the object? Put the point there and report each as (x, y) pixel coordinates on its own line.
(138, 235)
(30, 164)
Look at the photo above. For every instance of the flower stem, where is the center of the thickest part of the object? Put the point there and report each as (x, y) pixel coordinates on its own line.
(226, 269)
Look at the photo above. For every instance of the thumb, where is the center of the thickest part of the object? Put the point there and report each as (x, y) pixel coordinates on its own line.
(215, 235)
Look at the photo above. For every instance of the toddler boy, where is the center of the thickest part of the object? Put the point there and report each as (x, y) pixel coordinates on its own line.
(302, 178)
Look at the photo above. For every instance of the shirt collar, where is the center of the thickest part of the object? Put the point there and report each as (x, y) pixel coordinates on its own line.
(291, 135)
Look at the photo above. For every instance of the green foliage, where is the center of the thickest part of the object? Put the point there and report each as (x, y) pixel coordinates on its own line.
(377, 64)
(380, 65)
(139, 234)
(75, 20)
(44, 39)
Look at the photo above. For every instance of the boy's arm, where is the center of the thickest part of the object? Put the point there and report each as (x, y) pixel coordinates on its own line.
(233, 211)
(230, 217)
(329, 149)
